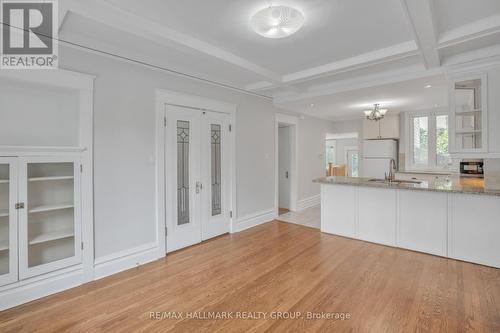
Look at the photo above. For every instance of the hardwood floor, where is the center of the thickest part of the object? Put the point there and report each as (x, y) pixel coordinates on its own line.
(271, 268)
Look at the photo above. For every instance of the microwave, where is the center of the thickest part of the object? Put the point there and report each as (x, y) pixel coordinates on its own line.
(471, 168)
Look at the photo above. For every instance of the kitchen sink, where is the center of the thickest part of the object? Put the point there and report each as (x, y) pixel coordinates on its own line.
(396, 181)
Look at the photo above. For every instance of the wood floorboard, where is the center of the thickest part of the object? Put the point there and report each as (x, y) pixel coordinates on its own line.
(278, 268)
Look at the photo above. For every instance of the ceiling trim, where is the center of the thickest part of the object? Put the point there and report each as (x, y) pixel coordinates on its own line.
(388, 54)
(477, 29)
(387, 77)
(420, 14)
(122, 20)
(261, 85)
(490, 60)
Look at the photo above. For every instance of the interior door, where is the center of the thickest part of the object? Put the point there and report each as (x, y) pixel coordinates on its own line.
(216, 150)
(8, 220)
(198, 184)
(284, 164)
(50, 221)
(183, 177)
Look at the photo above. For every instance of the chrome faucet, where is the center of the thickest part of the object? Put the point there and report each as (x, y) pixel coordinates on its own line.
(392, 168)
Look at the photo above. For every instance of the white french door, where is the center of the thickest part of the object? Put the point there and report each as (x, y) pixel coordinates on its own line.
(8, 220)
(49, 218)
(197, 161)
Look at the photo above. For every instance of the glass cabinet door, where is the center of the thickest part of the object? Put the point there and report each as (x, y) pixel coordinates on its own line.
(469, 111)
(50, 223)
(8, 221)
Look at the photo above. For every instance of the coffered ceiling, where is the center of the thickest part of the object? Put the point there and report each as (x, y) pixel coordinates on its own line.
(343, 45)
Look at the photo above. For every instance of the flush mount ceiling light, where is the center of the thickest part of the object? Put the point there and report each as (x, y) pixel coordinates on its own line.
(376, 114)
(277, 21)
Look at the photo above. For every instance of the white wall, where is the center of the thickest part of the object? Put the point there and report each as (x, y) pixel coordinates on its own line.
(38, 115)
(311, 154)
(124, 147)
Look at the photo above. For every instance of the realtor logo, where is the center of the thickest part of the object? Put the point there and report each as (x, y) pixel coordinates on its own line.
(29, 34)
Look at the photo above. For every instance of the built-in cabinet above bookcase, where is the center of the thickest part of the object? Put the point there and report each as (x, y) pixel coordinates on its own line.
(46, 203)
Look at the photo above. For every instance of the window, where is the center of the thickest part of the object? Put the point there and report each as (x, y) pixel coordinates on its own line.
(429, 141)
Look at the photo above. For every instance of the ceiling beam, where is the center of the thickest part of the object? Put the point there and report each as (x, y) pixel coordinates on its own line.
(477, 29)
(125, 21)
(373, 80)
(391, 53)
(420, 14)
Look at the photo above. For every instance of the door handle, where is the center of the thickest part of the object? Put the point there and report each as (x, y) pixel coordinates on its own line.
(19, 205)
(199, 186)
(286, 174)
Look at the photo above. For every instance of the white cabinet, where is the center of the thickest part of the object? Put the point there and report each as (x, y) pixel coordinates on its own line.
(41, 214)
(475, 229)
(455, 225)
(338, 216)
(468, 126)
(386, 128)
(423, 221)
(377, 215)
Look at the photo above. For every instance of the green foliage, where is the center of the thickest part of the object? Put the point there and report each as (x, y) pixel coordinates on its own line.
(442, 141)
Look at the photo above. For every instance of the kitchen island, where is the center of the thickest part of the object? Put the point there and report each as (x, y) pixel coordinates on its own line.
(453, 218)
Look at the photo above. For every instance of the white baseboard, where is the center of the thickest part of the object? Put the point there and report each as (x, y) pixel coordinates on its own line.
(253, 220)
(313, 201)
(123, 260)
(35, 288)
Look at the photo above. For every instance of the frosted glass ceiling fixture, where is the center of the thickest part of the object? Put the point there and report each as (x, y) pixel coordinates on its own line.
(376, 114)
(277, 21)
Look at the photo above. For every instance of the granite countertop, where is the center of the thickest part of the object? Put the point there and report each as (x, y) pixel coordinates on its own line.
(451, 185)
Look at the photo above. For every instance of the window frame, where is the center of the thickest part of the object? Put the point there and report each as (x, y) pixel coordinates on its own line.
(432, 140)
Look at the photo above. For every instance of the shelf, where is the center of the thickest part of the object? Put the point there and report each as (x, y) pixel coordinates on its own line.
(51, 236)
(41, 179)
(468, 112)
(4, 245)
(4, 181)
(4, 212)
(468, 132)
(47, 208)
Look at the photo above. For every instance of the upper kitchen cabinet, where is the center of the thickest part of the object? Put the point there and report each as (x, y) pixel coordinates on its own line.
(386, 128)
(469, 114)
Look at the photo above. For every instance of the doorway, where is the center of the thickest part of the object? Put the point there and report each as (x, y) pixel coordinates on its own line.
(284, 167)
(352, 158)
(285, 163)
(342, 154)
(197, 175)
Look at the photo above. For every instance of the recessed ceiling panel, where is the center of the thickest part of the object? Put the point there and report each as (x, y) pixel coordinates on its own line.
(80, 30)
(451, 14)
(333, 29)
